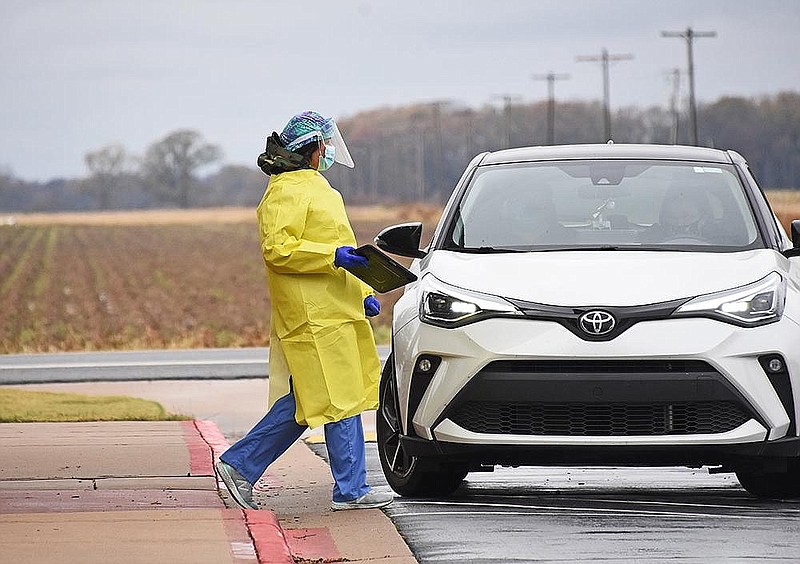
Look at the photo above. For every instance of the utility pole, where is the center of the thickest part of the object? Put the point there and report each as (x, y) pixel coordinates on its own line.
(420, 162)
(690, 35)
(438, 167)
(673, 104)
(507, 101)
(551, 78)
(604, 59)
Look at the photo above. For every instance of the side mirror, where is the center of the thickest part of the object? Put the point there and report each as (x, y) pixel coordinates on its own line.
(401, 240)
(795, 251)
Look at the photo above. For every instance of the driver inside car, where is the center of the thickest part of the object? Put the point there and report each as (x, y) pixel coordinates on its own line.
(685, 215)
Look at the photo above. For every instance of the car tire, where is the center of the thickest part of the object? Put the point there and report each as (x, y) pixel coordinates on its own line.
(772, 485)
(409, 476)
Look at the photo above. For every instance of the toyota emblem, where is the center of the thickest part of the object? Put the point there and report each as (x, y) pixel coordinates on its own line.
(597, 322)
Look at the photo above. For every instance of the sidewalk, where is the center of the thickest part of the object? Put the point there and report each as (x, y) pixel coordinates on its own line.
(132, 492)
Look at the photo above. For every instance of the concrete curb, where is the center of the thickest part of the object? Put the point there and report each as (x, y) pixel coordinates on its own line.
(268, 537)
(263, 526)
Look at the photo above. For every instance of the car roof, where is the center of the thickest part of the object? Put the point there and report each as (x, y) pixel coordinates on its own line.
(610, 151)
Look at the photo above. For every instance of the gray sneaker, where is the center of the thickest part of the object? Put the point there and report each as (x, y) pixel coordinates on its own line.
(240, 489)
(370, 500)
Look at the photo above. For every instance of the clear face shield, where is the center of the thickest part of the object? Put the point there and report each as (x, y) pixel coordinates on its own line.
(332, 136)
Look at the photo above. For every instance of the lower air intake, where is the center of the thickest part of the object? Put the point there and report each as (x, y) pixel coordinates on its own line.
(599, 419)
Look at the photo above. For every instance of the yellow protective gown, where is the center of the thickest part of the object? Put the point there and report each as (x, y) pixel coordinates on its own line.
(319, 333)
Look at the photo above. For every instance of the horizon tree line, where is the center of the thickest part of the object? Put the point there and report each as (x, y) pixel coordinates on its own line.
(413, 153)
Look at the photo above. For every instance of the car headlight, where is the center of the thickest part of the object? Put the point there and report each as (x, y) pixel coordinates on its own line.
(448, 306)
(756, 304)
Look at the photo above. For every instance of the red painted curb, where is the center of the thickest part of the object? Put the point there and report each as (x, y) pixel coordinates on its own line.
(268, 537)
(212, 436)
(239, 538)
(200, 461)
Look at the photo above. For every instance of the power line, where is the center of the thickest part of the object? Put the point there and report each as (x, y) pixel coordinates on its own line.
(690, 35)
(551, 78)
(604, 58)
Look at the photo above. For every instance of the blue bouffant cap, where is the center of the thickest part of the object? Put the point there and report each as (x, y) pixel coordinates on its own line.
(305, 128)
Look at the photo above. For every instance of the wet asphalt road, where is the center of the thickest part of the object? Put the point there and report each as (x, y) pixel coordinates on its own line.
(598, 515)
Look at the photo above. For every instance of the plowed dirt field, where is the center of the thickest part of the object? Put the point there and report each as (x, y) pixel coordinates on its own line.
(162, 279)
(128, 280)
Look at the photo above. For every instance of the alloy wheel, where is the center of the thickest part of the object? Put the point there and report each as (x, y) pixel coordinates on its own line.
(389, 428)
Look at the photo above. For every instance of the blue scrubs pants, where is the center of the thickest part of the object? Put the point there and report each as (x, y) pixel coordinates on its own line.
(278, 430)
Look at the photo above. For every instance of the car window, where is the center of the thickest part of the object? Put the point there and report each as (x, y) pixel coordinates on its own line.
(653, 204)
(774, 227)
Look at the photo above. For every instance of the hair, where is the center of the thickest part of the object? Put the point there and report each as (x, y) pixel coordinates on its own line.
(307, 149)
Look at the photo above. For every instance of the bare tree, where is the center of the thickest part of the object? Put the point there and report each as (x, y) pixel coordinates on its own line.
(169, 165)
(107, 169)
(234, 185)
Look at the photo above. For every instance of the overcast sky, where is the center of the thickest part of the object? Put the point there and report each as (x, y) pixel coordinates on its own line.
(80, 74)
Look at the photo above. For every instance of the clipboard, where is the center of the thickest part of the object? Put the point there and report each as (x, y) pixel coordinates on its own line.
(383, 273)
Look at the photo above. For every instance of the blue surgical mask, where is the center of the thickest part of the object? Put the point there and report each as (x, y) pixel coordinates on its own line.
(326, 160)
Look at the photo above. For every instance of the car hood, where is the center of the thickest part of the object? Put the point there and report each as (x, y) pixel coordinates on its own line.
(611, 278)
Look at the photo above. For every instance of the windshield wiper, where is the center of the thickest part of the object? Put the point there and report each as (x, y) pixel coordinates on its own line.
(602, 248)
(576, 248)
(536, 249)
(486, 250)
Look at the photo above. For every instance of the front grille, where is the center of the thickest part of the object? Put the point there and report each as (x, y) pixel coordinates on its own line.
(599, 419)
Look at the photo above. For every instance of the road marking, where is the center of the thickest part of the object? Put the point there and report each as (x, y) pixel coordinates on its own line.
(678, 504)
(587, 510)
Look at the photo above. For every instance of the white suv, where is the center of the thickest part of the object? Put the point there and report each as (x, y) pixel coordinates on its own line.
(596, 304)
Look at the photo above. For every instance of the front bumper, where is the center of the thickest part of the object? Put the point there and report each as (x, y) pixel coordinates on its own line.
(732, 353)
(728, 456)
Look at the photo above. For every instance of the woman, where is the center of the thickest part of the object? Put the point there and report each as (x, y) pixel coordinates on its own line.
(324, 367)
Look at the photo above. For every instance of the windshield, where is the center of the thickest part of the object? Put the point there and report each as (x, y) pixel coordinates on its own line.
(645, 205)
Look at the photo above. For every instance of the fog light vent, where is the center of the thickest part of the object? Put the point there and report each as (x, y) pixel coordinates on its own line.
(424, 369)
(774, 365)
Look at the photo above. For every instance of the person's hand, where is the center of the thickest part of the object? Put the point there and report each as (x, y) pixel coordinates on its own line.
(372, 306)
(347, 258)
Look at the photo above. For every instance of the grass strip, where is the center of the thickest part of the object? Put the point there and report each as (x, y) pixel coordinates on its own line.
(23, 406)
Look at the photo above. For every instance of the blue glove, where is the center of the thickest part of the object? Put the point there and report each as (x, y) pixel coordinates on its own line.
(372, 306)
(346, 258)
